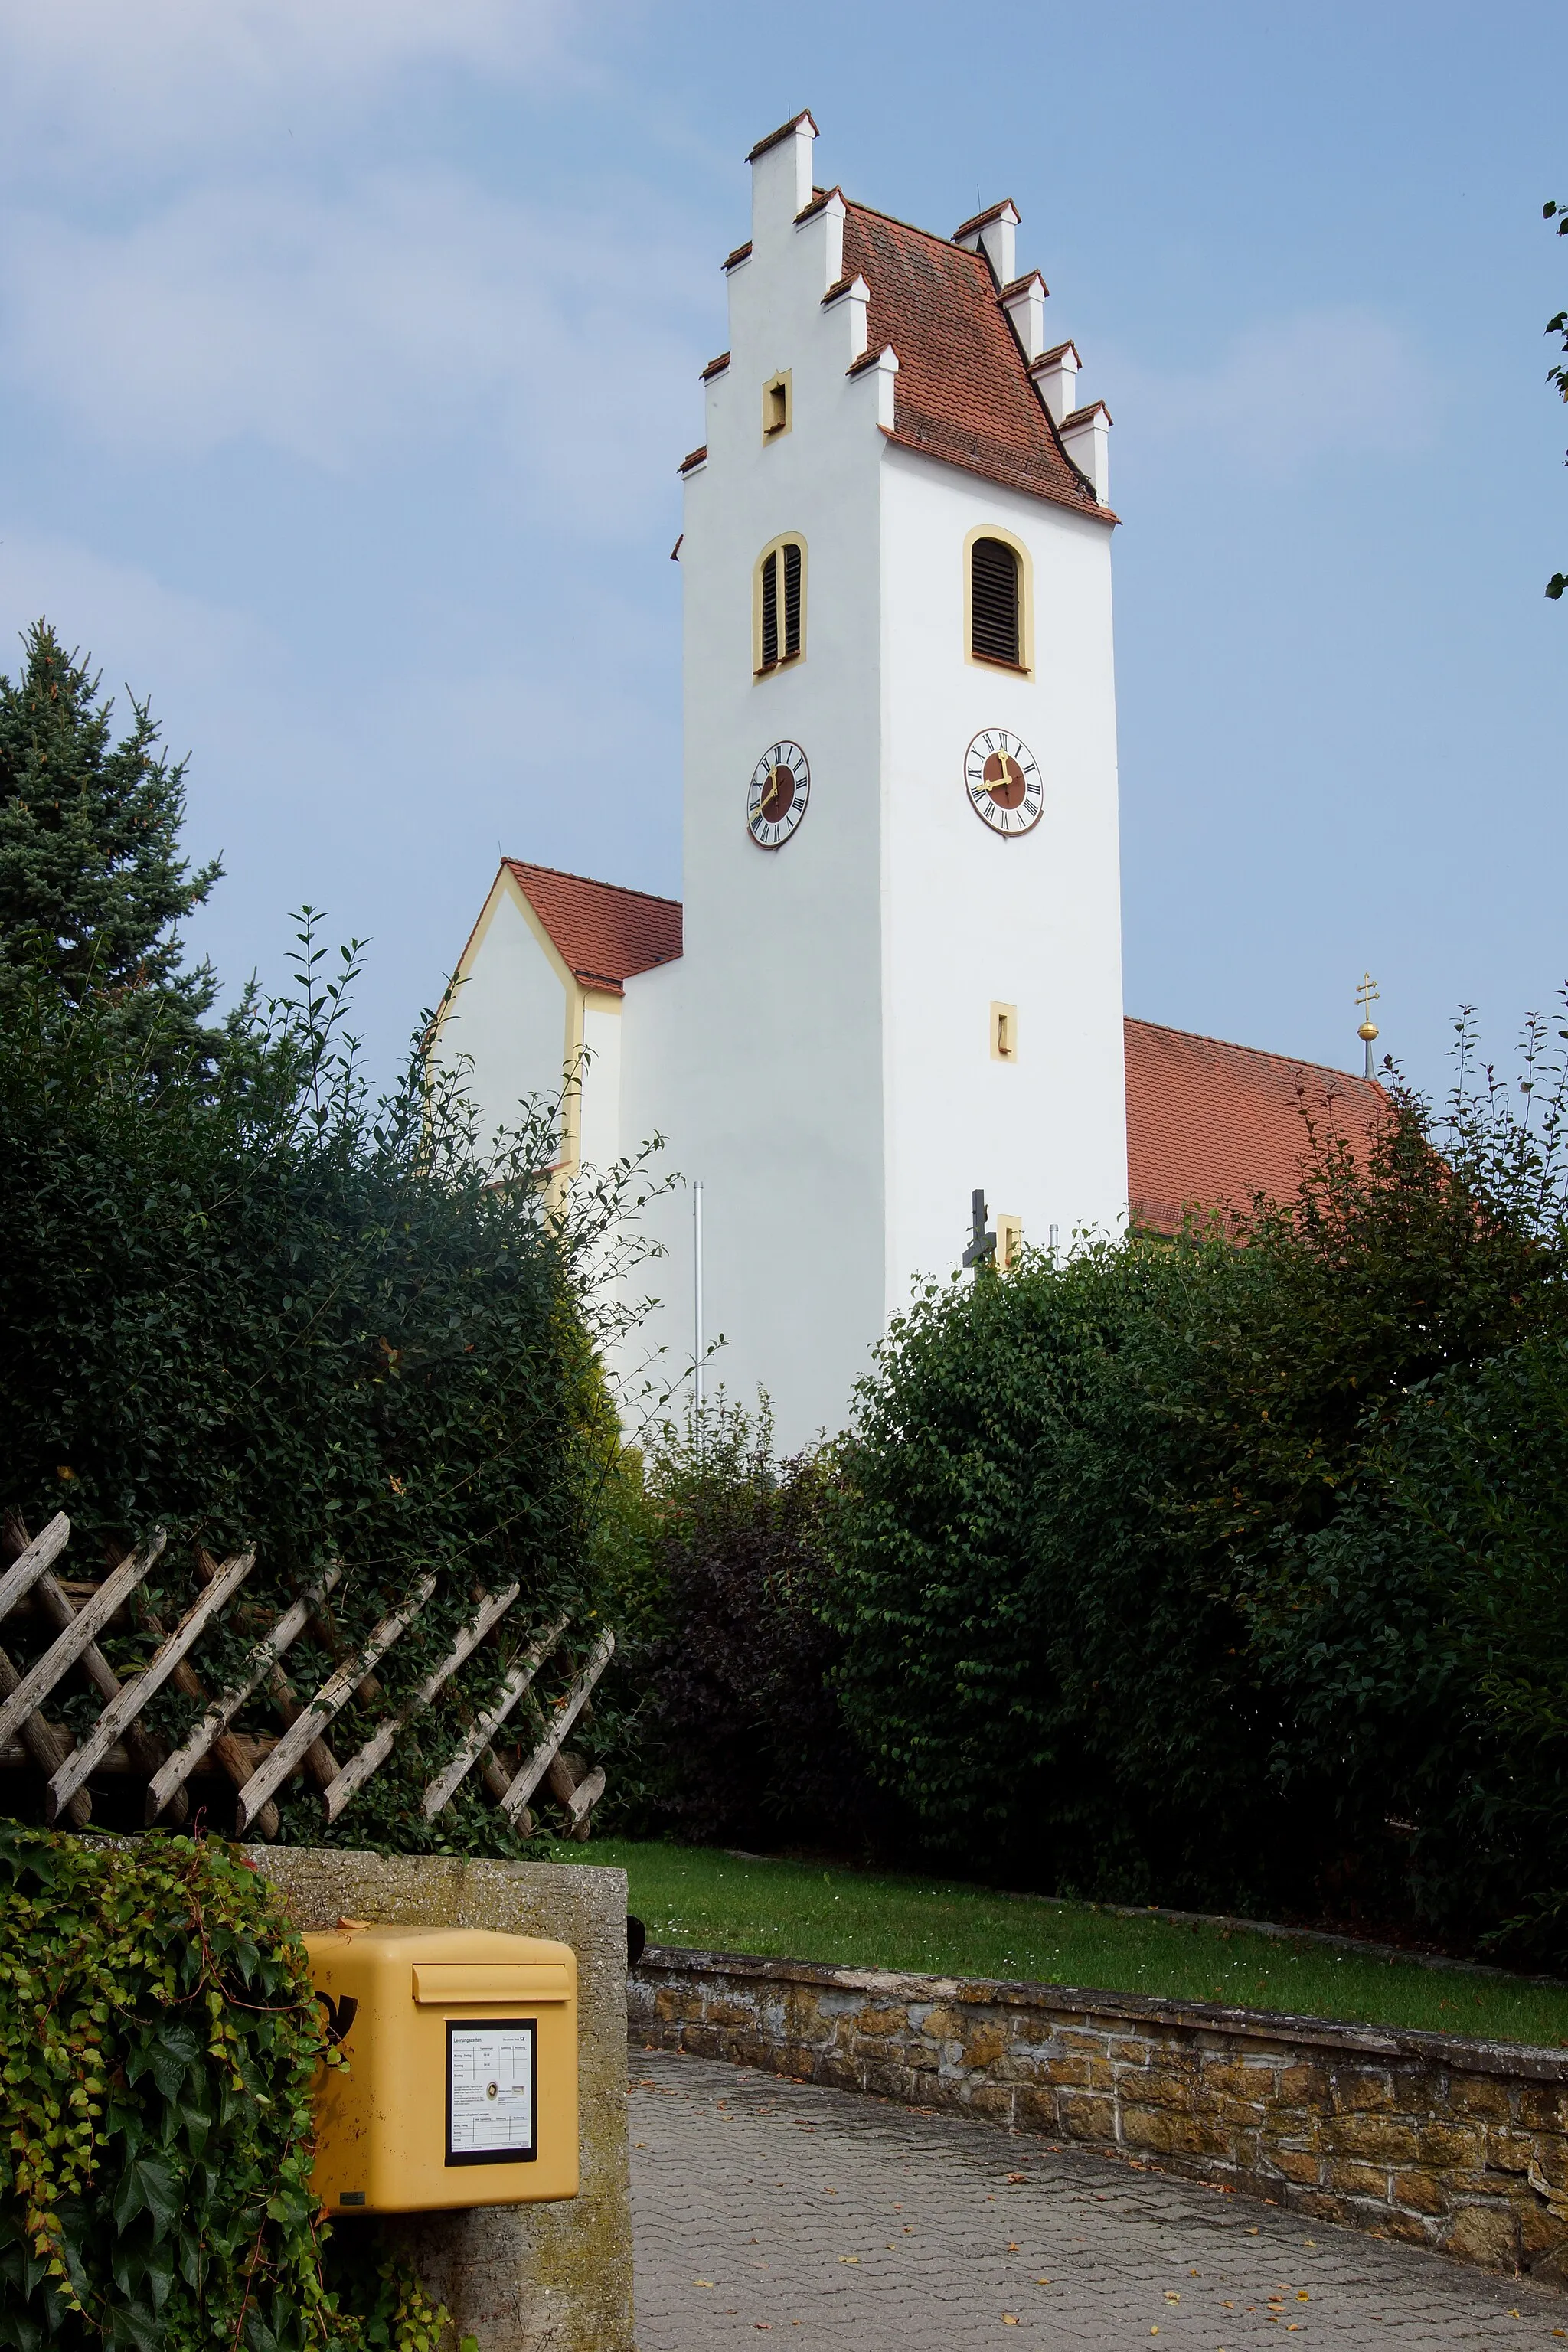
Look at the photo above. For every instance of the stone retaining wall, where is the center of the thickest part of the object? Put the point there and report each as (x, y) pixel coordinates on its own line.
(1460, 2146)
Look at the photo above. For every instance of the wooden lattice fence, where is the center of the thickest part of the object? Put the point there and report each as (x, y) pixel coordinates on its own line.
(260, 1762)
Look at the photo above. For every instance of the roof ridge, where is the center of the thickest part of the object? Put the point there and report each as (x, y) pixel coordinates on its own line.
(1263, 1053)
(561, 874)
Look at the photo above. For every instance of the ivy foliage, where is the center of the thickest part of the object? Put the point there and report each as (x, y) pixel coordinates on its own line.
(1230, 1574)
(159, 2040)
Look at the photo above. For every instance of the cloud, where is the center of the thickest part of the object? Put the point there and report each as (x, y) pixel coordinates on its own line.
(401, 310)
(90, 82)
(1284, 394)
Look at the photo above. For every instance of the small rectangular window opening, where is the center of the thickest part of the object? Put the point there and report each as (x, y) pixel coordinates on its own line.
(994, 602)
(771, 610)
(1009, 1241)
(775, 407)
(1004, 1032)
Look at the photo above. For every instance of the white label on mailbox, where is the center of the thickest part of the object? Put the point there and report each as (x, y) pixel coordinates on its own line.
(489, 2092)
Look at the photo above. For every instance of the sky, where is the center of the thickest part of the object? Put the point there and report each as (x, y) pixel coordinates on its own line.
(348, 349)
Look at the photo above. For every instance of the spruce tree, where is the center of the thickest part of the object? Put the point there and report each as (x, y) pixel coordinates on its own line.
(92, 884)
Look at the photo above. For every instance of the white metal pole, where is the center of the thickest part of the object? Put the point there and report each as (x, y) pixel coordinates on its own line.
(697, 1313)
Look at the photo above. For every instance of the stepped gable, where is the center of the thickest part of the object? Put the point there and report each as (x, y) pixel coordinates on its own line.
(1210, 1123)
(962, 391)
(604, 934)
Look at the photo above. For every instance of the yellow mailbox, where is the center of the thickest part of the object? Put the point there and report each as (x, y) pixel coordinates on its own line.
(461, 2082)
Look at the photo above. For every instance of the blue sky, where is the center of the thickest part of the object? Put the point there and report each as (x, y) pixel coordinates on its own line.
(347, 349)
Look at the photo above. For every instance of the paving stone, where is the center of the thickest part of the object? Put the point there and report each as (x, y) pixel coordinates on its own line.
(843, 2223)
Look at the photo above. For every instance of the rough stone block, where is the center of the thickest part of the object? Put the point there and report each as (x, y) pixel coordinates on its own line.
(1037, 2111)
(1508, 2150)
(1480, 2095)
(1376, 2138)
(1299, 2164)
(1130, 2054)
(1302, 2086)
(1552, 2160)
(984, 2043)
(1484, 2234)
(1448, 2145)
(1541, 2230)
(872, 2021)
(1361, 2090)
(1411, 2227)
(1086, 2116)
(1422, 2192)
(1167, 2133)
(674, 2002)
(1543, 2106)
(1356, 2180)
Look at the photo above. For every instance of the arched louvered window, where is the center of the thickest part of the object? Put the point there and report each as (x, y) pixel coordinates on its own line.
(779, 606)
(995, 602)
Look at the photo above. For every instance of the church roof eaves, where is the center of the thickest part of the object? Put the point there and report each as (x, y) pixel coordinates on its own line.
(604, 934)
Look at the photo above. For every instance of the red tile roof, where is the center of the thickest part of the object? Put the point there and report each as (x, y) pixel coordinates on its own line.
(1209, 1124)
(964, 392)
(604, 934)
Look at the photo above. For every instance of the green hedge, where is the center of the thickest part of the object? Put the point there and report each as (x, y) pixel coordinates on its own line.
(158, 2043)
(255, 1306)
(1228, 1571)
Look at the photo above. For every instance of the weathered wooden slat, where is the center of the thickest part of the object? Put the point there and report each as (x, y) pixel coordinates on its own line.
(24, 1573)
(133, 1696)
(147, 1751)
(561, 1723)
(66, 1647)
(444, 1787)
(223, 1710)
(584, 1797)
(378, 1748)
(334, 1693)
(46, 1746)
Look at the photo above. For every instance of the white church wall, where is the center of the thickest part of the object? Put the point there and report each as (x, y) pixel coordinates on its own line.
(972, 918)
(599, 1114)
(510, 1013)
(775, 1098)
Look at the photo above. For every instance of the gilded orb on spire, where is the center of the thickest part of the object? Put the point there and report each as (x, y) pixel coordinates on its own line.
(1366, 997)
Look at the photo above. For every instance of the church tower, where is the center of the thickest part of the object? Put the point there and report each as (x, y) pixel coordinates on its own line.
(901, 975)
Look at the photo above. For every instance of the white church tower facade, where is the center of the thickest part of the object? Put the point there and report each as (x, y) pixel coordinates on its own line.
(896, 976)
(902, 975)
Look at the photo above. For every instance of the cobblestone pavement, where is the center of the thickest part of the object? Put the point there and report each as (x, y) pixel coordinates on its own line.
(762, 2206)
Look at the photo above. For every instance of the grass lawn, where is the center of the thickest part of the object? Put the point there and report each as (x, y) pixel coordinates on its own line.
(711, 1900)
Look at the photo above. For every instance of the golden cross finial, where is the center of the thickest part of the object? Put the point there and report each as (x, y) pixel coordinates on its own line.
(1366, 997)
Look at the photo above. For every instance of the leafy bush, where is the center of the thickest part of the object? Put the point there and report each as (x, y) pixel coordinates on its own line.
(247, 1302)
(158, 2043)
(1205, 1571)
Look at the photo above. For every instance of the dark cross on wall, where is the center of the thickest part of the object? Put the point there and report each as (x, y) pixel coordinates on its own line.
(983, 1245)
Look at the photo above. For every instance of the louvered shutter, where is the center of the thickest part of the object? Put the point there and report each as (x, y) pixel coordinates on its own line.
(770, 611)
(993, 600)
(790, 600)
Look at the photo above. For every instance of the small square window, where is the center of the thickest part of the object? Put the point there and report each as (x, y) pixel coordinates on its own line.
(1004, 1032)
(1009, 1241)
(776, 406)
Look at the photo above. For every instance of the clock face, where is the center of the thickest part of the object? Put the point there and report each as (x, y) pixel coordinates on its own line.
(1002, 778)
(777, 794)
